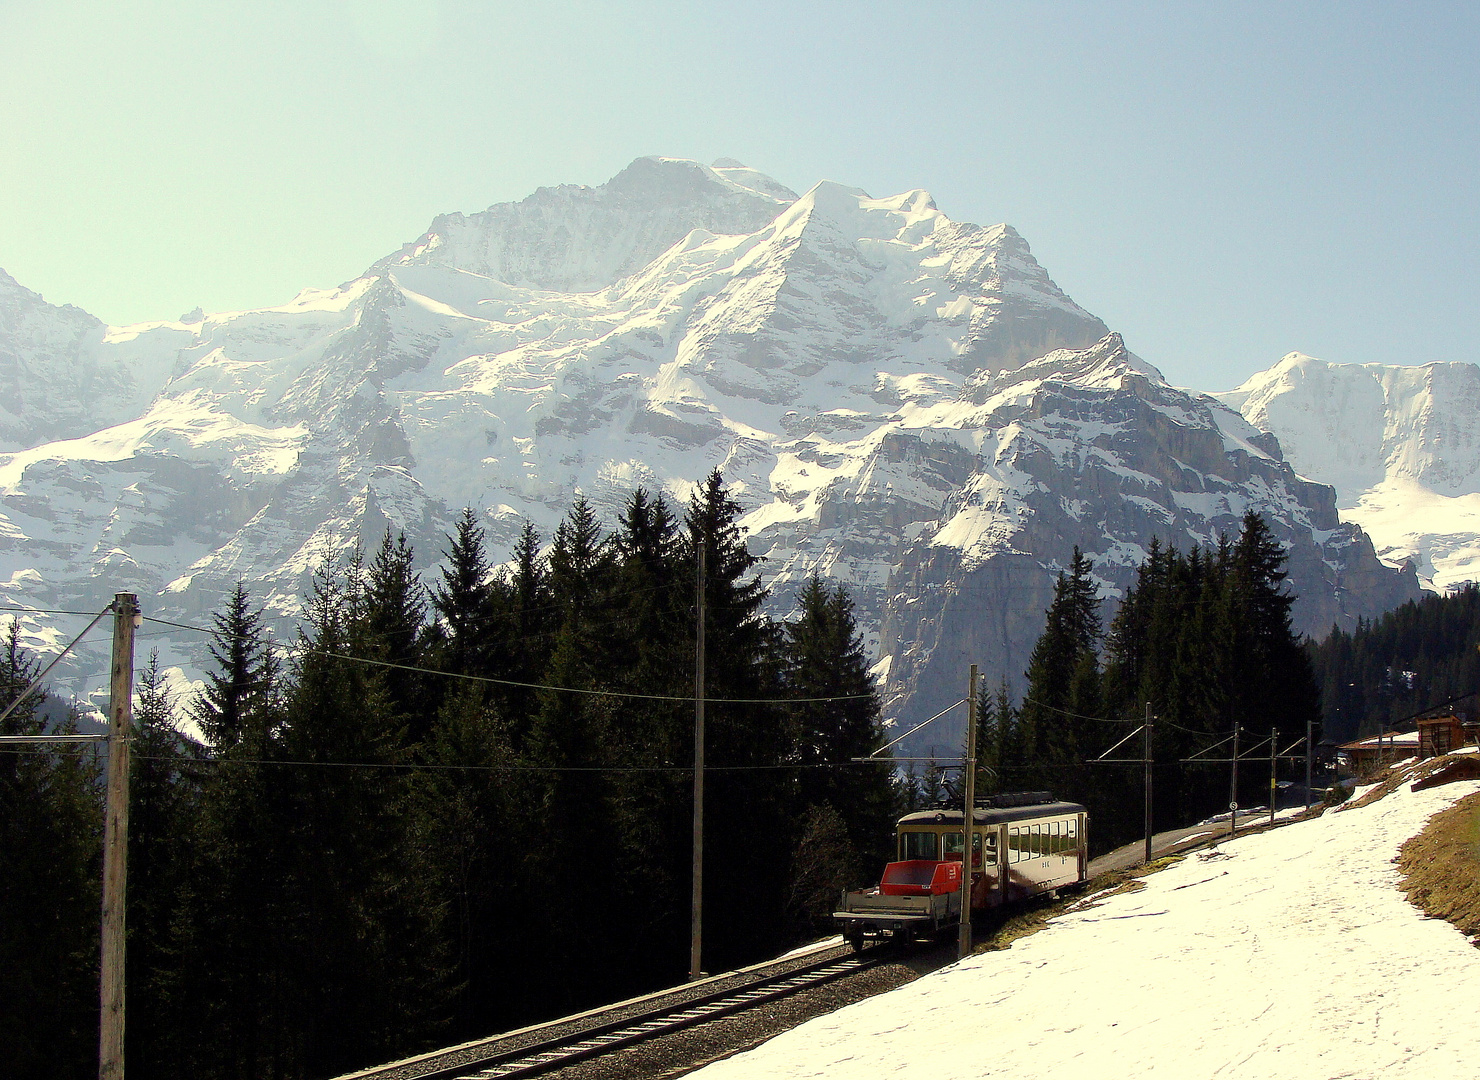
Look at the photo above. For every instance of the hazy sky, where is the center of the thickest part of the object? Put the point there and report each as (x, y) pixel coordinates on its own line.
(1222, 183)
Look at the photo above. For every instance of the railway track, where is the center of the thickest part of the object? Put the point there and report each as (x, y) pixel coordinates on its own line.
(598, 1034)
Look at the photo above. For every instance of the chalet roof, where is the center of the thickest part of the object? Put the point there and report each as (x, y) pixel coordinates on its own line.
(1449, 716)
(1394, 739)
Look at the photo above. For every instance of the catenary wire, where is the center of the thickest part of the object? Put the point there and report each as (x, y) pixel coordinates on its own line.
(308, 650)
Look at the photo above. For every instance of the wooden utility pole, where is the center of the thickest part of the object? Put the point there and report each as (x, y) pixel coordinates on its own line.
(1309, 722)
(696, 916)
(1273, 776)
(968, 820)
(115, 836)
(1146, 779)
(1233, 788)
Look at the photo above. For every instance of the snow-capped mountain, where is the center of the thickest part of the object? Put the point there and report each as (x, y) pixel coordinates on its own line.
(1401, 446)
(906, 403)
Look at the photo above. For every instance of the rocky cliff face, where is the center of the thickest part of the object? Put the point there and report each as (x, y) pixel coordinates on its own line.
(907, 404)
(1092, 449)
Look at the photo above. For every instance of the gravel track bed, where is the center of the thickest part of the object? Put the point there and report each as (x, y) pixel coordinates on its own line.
(472, 1052)
(683, 1051)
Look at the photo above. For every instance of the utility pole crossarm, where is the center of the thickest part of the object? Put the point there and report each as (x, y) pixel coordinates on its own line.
(1118, 745)
(907, 734)
(57, 659)
(1208, 750)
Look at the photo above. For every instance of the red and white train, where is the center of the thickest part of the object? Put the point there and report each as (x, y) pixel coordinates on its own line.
(1022, 845)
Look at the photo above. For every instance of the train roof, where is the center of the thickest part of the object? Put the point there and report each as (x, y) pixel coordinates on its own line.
(993, 815)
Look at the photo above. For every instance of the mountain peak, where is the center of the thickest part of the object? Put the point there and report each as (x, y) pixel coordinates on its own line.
(667, 177)
(578, 239)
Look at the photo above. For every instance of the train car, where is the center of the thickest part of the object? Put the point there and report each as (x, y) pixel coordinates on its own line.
(1022, 845)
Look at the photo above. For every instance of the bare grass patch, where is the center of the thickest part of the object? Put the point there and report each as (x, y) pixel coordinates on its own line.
(1441, 867)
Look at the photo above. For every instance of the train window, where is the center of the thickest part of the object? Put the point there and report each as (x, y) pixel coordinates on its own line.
(1056, 832)
(976, 849)
(1014, 845)
(917, 845)
(954, 845)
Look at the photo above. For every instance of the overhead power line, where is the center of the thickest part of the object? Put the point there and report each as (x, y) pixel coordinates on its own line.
(308, 650)
(44, 611)
(1075, 715)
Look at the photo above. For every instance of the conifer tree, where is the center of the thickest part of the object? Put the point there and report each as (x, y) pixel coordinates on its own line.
(651, 652)
(527, 597)
(367, 966)
(245, 675)
(825, 863)
(746, 797)
(998, 756)
(388, 623)
(164, 801)
(231, 942)
(825, 659)
(464, 601)
(572, 742)
(464, 811)
(50, 851)
(1063, 681)
(1204, 639)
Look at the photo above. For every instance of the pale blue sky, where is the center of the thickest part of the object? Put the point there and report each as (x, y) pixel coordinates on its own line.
(1222, 183)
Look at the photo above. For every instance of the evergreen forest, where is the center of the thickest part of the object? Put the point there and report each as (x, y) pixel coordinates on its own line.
(451, 808)
(1202, 641)
(1416, 657)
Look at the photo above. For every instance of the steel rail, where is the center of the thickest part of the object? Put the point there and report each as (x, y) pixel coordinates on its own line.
(561, 1050)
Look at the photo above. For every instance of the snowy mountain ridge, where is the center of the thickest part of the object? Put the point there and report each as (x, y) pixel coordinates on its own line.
(902, 402)
(1401, 445)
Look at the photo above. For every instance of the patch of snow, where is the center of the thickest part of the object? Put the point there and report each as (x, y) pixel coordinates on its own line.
(1299, 958)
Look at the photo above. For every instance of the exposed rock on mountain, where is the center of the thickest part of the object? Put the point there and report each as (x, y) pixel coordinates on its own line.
(1093, 449)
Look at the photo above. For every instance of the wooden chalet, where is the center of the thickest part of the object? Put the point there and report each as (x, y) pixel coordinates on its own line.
(1368, 757)
(1439, 731)
(1455, 724)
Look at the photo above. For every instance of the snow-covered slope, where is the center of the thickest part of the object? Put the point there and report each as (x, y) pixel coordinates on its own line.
(906, 403)
(1401, 445)
(1285, 954)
